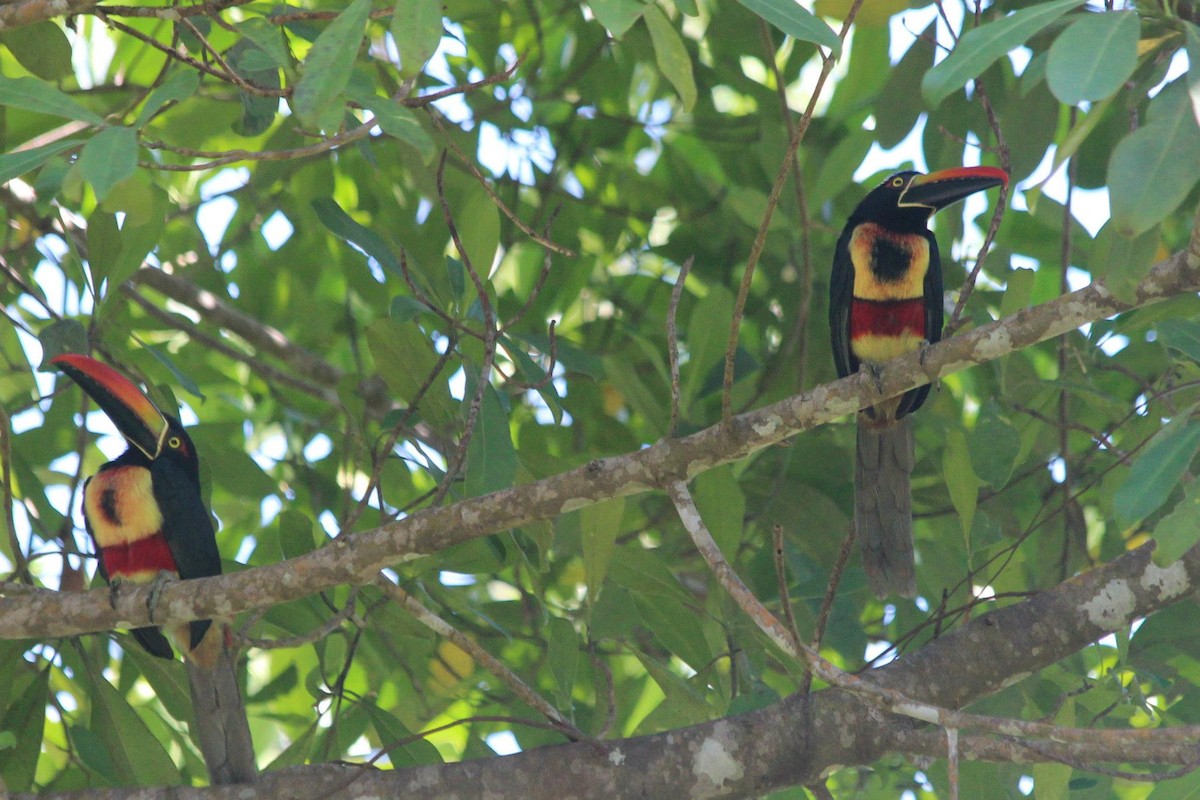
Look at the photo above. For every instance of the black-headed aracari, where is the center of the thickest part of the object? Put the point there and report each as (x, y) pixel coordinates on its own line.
(146, 516)
(885, 300)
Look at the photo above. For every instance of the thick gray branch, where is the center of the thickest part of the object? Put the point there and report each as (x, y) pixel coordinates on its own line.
(792, 742)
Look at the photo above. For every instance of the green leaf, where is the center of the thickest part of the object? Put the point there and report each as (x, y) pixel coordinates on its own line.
(344, 227)
(24, 716)
(108, 158)
(62, 336)
(563, 655)
(13, 165)
(994, 446)
(182, 84)
(671, 55)
(1123, 261)
(32, 94)
(478, 222)
(981, 47)
(138, 757)
(327, 68)
(1145, 181)
(104, 244)
(1093, 57)
(707, 335)
(182, 379)
(1156, 472)
(1018, 292)
(417, 30)
(600, 523)
(42, 48)
(1192, 43)
(401, 123)
(405, 360)
(297, 533)
(1177, 532)
(722, 507)
(961, 480)
(796, 21)
(1182, 335)
(617, 16)
(491, 458)
(415, 751)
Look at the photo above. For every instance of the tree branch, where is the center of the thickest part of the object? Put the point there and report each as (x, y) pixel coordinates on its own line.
(745, 755)
(355, 559)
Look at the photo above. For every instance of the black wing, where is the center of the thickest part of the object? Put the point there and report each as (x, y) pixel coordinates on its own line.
(187, 528)
(934, 315)
(841, 296)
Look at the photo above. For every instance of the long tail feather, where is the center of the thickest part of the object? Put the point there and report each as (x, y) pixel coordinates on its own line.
(221, 729)
(883, 505)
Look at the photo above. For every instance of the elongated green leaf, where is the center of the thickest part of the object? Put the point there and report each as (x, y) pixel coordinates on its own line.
(671, 55)
(1182, 335)
(417, 30)
(138, 757)
(25, 717)
(1192, 41)
(563, 655)
(1156, 472)
(109, 158)
(1093, 57)
(14, 165)
(1177, 532)
(796, 21)
(405, 360)
(491, 458)
(32, 94)
(327, 67)
(42, 48)
(994, 446)
(400, 122)
(1122, 261)
(599, 523)
(722, 505)
(62, 336)
(343, 225)
(392, 732)
(478, 222)
(1146, 180)
(961, 480)
(707, 334)
(181, 85)
(980, 47)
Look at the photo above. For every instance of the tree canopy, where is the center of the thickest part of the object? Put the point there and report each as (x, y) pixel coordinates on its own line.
(500, 329)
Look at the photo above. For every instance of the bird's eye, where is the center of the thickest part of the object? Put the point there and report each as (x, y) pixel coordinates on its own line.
(897, 182)
(174, 443)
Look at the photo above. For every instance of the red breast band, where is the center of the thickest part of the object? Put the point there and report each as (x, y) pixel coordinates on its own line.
(140, 560)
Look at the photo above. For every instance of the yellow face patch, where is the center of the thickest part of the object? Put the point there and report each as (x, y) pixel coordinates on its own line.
(120, 506)
(868, 285)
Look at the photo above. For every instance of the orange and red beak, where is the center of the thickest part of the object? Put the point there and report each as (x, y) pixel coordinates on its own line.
(137, 419)
(937, 190)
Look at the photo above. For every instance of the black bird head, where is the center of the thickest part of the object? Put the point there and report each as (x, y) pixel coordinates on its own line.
(151, 434)
(905, 201)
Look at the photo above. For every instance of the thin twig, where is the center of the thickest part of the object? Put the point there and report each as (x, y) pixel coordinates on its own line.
(482, 656)
(760, 237)
(673, 342)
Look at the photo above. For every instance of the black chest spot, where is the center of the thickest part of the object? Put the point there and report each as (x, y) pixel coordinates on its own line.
(890, 259)
(109, 507)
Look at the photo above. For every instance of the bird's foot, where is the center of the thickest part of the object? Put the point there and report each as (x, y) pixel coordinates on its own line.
(874, 372)
(115, 587)
(922, 352)
(160, 582)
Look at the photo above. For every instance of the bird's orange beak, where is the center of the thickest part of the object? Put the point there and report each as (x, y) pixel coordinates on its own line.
(946, 187)
(138, 419)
